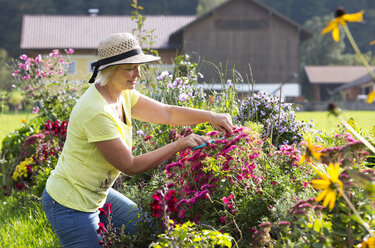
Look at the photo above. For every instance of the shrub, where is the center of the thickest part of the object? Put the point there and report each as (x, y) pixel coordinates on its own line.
(276, 116)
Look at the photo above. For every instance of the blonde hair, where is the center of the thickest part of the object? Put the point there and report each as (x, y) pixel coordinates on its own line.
(104, 76)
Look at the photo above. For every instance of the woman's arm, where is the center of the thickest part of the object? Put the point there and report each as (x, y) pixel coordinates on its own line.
(116, 153)
(149, 110)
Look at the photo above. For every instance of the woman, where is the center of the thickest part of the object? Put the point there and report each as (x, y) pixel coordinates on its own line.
(98, 144)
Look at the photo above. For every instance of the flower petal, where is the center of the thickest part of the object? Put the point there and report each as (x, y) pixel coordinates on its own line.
(336, 34)
(371, 96)
(322, 175)
(333, 172)
(320, 183)
(331, 25)
(356, 17)
(321, 195)
(332, 199)
(329, 197)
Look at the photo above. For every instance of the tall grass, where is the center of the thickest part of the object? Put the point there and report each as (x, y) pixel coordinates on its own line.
(24, 224)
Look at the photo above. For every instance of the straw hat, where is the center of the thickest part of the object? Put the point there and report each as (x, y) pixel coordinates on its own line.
(119, 48)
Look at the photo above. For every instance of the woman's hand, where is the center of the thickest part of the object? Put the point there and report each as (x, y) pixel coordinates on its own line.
(191, 141)
(222, 122)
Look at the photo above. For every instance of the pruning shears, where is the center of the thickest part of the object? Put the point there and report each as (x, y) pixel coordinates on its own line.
(203, 145)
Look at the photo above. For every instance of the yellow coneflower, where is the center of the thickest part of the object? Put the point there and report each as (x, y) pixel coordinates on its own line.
(341, 18)
(328, 183)
(312, 151)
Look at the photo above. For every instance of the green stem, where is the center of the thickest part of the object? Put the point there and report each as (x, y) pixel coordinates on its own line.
(364, 224)
(356, 134)
(358, 52)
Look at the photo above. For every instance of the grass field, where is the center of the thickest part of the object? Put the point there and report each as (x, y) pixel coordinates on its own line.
(24, 224)
(327, 123)
(11, 121)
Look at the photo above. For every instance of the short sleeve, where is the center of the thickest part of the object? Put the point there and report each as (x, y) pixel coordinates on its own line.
(101, 127)
(134, 97)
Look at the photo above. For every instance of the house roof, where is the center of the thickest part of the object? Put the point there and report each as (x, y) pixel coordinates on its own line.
(303, 32)
(85, 32)
(359, 81)
(335, 74)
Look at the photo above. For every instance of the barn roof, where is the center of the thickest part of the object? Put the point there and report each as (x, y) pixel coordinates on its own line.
(304, 34)
(335, 74)
(85, 32)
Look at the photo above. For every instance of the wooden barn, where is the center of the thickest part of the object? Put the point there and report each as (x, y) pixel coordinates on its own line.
(237, 34)
(242, 32)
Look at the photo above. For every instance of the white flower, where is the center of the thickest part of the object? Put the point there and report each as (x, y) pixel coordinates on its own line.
(162, 75)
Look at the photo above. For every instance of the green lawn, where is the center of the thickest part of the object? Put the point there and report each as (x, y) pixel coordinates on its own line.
(24, 224)
(327, 123)
(11, 121)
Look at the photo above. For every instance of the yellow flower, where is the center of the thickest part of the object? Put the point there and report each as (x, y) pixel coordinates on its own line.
(369, 243)
(328, 183)
(311, 152)
(340, 19)
(370, 97)
(21, 169)
(372, 43)
(23, 120)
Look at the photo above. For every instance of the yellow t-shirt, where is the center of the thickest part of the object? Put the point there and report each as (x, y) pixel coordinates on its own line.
(82, 175)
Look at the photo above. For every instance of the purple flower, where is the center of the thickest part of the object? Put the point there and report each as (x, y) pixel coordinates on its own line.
(163, 75)
(183, 97)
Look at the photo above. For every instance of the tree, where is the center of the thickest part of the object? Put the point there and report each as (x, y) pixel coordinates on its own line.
(5, 71)
(320, 50)
(206, 5)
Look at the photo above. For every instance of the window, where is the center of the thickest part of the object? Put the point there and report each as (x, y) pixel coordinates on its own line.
(71, 67)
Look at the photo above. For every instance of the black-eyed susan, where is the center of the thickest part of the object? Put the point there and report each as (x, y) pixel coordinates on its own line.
(369, 243)
(328, 183)
(312, 152)
(341, 18)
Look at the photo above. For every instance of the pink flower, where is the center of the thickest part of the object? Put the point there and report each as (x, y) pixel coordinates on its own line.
(181, 213)
(225, 200)
(223, 219)
(15, 73)
(305, 184)
(69, 51)
(35, 110)
(23, 57)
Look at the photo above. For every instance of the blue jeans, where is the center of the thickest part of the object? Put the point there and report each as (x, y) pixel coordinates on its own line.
(78, 229)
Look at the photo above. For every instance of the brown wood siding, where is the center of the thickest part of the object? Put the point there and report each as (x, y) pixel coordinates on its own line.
(244, 33)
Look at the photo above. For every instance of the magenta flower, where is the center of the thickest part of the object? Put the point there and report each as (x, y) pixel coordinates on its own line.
(223, 219)
(69, 51)
(181, 213)
(35, 110)
(23, 57)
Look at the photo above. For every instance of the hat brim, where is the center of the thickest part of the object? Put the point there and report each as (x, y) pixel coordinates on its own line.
(137, 59)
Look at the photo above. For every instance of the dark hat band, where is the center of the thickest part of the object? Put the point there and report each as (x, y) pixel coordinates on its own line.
(95, 66)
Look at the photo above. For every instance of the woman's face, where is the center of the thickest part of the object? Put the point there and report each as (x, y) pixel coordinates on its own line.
(126, 76)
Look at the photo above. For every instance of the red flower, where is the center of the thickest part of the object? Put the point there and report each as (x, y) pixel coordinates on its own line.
(101, 229)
